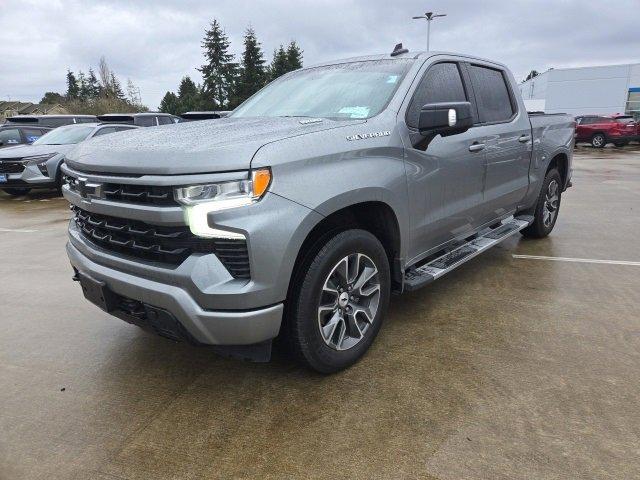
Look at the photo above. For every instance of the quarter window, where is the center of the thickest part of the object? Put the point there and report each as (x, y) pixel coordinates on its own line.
(441, 83)
(492, 94)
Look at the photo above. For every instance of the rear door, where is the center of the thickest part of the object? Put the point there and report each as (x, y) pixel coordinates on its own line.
(506, 132)
(445, 178)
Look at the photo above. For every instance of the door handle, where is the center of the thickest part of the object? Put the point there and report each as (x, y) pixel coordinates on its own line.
(524, 138)
(476, 147)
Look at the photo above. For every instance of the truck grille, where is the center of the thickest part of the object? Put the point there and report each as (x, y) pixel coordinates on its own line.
(11, 167)
(142, 194)
(171, 245)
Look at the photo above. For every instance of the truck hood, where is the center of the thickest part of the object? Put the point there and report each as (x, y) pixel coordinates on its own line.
(196, 147)
(21, 151)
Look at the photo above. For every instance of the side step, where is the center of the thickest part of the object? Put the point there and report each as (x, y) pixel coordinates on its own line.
(416, 278)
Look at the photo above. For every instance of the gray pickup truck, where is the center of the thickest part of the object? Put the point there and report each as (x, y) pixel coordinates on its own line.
(298, 215)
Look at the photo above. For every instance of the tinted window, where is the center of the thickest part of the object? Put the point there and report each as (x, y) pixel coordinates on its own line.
(441, 83)
(105, 131)
(123, 129)
(10, 136)
(57, 122)
(492, 94)
(32, 134)
(165, 120)
(146, 121)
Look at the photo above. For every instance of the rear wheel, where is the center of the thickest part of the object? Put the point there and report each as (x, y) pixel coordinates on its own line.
(547, 208)
(598, 140)
(621, 144)
(17, 192)
(338, 306)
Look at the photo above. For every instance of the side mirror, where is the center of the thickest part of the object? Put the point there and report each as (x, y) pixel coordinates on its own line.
(447, 118)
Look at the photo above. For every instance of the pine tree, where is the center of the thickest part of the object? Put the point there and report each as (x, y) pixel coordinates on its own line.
(294, 56)
(72, 86)
(93, 87)
(280, 63)
(189, 96)
(170, 104)
(83, 87)
(219, 70)
(116, 88)
(252, 75)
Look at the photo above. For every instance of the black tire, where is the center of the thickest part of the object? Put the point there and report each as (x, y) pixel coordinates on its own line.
(58, 186)
(303, 320)
(17, 192)
(540, 227)
(598, 140)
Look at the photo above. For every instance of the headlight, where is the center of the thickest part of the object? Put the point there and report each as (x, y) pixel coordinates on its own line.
(225, 195)
(200, 200)
(39, 158)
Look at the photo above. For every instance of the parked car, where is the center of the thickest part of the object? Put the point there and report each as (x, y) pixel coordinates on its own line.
(145, 119)
(303, 210)
(24, 167)
(206, 115)
(599, 130)
(51, 121)
(16, 134)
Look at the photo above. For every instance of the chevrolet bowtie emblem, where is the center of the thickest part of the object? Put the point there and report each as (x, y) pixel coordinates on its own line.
(89, 190)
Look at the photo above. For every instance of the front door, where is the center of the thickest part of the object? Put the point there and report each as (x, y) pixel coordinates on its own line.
(446, 177)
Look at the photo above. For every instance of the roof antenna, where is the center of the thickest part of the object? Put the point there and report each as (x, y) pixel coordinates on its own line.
(398, 50)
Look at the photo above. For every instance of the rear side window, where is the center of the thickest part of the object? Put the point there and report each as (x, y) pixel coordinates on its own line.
(492, 94)
(146, 121)
(124, 129)
(105, 131)
(165, 120)
(441, 83)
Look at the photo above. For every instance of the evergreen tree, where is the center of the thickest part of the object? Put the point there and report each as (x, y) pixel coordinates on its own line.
(294, 56)
(83, 87)
(116, 88)
(170, 104)
(189, 96)
(252, 75)
(279, 65)
(93, 87)
(52, 98)
(219, 70)
(72, 86)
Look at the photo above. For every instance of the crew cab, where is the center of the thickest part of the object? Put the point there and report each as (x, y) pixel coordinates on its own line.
(599, 130)
(299, 214)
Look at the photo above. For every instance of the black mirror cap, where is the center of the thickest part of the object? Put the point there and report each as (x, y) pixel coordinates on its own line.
(434, 118)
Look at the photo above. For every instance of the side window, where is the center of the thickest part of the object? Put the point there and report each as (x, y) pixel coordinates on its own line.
(165, 120)
(105, 131)
(492, 94)
(32, 134)
(124, 129)
(10, 136)
(441, 83)
(146, 121)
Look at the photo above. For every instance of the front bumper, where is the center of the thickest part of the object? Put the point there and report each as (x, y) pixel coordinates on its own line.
(213, 327)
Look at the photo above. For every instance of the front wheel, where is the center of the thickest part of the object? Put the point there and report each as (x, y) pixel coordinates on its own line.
(337, 309)
(547, 207)
(16, 192)
(598, 140)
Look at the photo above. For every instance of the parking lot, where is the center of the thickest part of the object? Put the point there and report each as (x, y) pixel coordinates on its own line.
(509, 367)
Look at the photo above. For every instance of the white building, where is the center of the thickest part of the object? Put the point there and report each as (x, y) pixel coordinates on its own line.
(599, 90)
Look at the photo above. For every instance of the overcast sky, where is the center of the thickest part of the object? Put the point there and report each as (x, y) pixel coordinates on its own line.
(156, 43)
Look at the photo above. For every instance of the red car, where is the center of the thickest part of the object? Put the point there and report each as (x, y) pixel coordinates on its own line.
(599, 130)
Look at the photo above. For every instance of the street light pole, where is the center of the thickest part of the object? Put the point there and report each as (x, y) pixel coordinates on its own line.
(429, 16)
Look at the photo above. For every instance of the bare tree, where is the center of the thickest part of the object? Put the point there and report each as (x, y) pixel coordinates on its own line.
(104, 72)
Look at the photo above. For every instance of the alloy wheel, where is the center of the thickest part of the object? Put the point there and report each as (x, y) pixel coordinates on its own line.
(349, 301)
(551, 204)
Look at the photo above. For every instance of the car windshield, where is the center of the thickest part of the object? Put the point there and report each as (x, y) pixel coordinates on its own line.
(348, 90)
(65, 135)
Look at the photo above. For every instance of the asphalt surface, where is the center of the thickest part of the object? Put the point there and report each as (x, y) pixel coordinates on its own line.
(506, 368)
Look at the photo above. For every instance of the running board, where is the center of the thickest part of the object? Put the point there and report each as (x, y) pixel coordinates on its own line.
(419, 277)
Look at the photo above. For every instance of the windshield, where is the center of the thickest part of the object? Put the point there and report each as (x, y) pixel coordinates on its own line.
(64, 135)
(349, 90)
